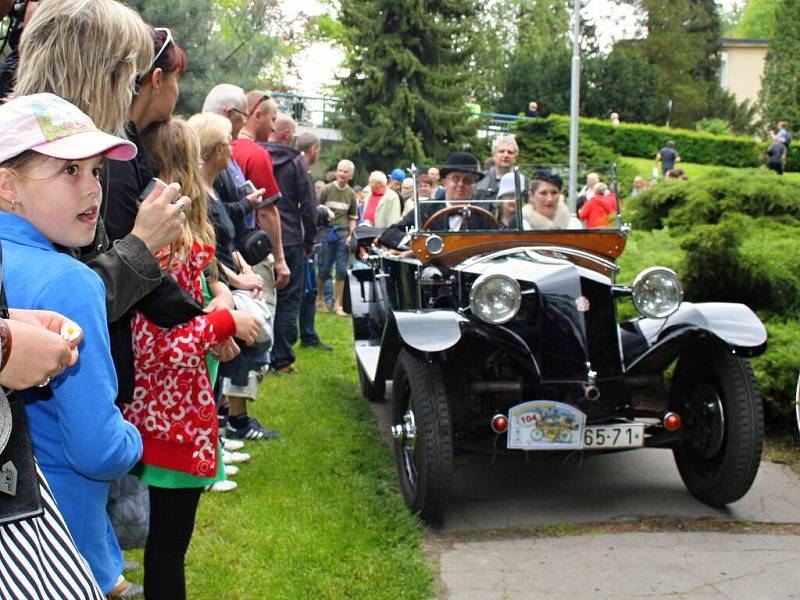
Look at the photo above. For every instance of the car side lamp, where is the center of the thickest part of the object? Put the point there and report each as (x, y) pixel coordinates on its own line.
(657, 292)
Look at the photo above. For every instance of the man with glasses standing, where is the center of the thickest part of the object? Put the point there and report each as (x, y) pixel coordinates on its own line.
(256, 165)
(459, 177)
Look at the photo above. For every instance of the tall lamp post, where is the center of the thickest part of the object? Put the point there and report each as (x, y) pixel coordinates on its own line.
(574, 108)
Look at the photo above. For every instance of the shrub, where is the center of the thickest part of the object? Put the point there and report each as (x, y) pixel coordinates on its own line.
(683, 204)
(776, 372)
(635, 139)
(742, 259)
(713, 126)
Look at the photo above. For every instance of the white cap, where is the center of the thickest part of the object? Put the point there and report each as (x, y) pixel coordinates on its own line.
(507, 186)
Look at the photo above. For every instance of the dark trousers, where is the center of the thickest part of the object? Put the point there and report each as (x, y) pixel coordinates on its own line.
(308, 304)
(172, 514)
(288, 308)
(777, 167)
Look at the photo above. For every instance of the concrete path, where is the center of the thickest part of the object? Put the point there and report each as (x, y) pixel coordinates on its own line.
(491, 545)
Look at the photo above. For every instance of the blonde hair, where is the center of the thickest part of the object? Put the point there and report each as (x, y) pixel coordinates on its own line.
(174, 152)
(211, 130)
(89, 53)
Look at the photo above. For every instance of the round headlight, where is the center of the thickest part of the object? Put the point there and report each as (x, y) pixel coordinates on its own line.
(657, 292)
(495, 298)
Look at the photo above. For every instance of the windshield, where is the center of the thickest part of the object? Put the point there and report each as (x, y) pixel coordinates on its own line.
(517, 198)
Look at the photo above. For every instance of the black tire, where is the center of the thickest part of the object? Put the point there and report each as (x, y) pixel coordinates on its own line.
(374, 392)
(716, 394)
(424, 462)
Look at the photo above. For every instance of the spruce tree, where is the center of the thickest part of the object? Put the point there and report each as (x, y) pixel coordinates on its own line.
(404, 99)
(780, 85)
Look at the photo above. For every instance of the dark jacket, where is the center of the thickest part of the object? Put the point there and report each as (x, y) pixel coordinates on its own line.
(162, 300)
(393, 236)
(237, 207)
(298, 206)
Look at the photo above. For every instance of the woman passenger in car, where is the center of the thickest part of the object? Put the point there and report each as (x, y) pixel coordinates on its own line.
(507, 202)
(545, 209)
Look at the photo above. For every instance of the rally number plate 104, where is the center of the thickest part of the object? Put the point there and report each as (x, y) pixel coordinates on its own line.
(550, 425)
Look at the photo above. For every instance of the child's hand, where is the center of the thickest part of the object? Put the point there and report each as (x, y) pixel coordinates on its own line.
(247, 326)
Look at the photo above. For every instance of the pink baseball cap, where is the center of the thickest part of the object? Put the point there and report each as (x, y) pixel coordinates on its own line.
(52, 126)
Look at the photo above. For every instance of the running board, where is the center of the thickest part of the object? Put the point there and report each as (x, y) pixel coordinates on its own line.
(368, 359)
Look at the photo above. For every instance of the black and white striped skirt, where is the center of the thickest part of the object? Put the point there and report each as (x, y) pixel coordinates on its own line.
(39, 560)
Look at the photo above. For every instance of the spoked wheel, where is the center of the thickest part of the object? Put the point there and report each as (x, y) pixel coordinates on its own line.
(715, 393)
(375, 391)
(423, 444)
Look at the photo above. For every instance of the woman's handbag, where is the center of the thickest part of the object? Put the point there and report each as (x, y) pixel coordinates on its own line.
(255, 246)
(129, 511)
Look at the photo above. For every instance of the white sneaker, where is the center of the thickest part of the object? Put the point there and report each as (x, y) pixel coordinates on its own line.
(231, 458)
(225, 485)
(231, 470)
(232, 445)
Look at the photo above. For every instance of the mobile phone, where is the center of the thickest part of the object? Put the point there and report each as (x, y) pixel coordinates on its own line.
(246, 188)
(269, 201)
(147, 191)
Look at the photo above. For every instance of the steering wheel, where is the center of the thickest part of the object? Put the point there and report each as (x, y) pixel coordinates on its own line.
(449, 210)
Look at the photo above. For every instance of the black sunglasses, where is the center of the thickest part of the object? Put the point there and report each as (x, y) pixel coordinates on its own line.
(259, 103)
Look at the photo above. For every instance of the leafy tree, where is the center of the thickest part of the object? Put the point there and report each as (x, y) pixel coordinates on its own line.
(683, 42)
(780, 85)
(629, 85)
(539, 57)
(757, 20)
(405, 96)
(227, 41)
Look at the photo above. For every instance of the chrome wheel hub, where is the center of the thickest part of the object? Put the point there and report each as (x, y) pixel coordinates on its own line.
(405, 434)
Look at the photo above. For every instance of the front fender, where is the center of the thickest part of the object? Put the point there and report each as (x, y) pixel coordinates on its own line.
(649, 344)
(429, 331)
(422, 330)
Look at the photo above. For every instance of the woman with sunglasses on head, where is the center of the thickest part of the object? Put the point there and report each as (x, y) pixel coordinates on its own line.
(115, 45)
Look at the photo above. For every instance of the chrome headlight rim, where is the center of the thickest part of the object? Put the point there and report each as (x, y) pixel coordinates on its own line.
(480, 282)
(639, 282)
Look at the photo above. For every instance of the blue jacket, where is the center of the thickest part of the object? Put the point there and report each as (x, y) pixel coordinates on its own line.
(79, 436)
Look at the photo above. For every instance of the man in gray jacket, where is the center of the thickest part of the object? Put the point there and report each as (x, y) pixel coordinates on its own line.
(504, 154)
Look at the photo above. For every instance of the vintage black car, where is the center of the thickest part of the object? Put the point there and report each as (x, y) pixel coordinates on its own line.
(510, 339)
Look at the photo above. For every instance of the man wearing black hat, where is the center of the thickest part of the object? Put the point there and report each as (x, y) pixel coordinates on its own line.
(459, 177)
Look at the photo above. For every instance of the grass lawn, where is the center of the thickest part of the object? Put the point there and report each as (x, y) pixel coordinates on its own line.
(317, 513)
(644, 167)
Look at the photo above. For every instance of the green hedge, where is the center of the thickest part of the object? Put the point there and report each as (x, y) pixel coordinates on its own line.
(635, 139)
(546, 142)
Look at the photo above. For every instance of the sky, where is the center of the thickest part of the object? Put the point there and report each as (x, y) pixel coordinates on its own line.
(318, 65)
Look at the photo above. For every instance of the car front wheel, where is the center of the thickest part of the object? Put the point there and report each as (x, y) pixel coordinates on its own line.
(716, 394)
(422, 434)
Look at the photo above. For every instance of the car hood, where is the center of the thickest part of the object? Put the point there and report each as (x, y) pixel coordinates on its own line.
(550, 270)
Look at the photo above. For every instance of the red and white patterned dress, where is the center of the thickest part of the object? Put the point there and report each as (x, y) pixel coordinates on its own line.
(173, 399)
